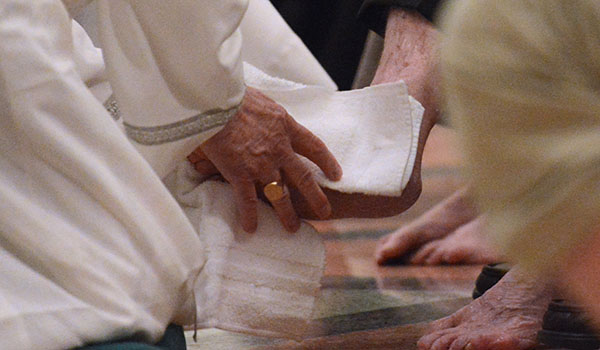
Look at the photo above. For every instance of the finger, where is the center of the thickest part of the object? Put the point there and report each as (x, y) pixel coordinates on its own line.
(309, 145)
(197, 155)
(205, 167)
(285, 211)
(300, 176)
(246, 202)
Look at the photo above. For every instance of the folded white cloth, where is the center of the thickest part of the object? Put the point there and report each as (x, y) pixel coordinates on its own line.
(266, 283)
(373, 132)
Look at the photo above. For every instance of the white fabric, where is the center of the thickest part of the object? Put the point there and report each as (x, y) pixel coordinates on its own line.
(264, 283)
(89, 63)
(93, 247)
(75, 6)
(268, 43)
(160, 76)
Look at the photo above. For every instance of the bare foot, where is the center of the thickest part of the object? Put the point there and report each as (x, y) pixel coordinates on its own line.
(507, 316)
(436, 223)
(466, 245)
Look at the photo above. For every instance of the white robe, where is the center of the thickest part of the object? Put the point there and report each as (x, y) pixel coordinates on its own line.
(93, 247)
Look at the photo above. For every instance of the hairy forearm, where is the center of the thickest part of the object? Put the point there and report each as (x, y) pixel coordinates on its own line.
(409, 38)
(410, 54)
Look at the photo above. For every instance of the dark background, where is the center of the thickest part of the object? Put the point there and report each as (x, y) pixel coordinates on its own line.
(331, 31)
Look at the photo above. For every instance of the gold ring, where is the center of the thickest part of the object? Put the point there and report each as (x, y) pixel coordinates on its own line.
(273, 191)
(469, 346)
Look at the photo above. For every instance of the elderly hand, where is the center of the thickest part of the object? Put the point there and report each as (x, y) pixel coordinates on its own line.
(410, 54)
(259, 145)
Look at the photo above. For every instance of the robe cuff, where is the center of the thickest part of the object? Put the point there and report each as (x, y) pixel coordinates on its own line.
(157, 135)
(164, 146)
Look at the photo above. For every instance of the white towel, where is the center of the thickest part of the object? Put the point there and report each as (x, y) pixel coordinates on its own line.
(266, 283)
(373, 132)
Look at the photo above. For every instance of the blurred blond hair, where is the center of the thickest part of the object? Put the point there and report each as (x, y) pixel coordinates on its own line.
(522, 83)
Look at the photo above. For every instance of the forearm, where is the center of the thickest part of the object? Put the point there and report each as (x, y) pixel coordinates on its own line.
(411, 54)
(409, 38)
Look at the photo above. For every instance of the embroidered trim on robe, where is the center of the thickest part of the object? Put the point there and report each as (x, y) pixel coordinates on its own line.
(156, 135)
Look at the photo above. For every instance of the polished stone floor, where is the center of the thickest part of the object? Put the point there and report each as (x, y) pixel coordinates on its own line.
(363, 306)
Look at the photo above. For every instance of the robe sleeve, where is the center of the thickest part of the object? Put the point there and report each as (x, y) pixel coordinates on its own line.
(176, 71)
(374, 12)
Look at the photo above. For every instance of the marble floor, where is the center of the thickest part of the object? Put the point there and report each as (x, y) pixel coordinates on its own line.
(362, 305)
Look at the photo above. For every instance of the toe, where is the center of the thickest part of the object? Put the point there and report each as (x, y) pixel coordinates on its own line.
(385, 253)
(460, 343)
(444, 342)
(427, 341)
(393, 247)
(456, 256)
(508, 341)
(435, 258)
(385, 250)
(436, 330)
(442, 324)
(423, 253)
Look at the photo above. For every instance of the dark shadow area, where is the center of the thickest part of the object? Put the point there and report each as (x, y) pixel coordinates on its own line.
(331, 31)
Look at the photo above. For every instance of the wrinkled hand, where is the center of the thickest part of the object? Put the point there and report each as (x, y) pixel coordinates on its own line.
(410, 54)
(259, 145)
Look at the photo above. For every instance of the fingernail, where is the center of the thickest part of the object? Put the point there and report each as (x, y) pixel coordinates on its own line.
(338, 173)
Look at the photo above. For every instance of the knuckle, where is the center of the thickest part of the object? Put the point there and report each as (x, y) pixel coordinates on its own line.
(305, 179)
